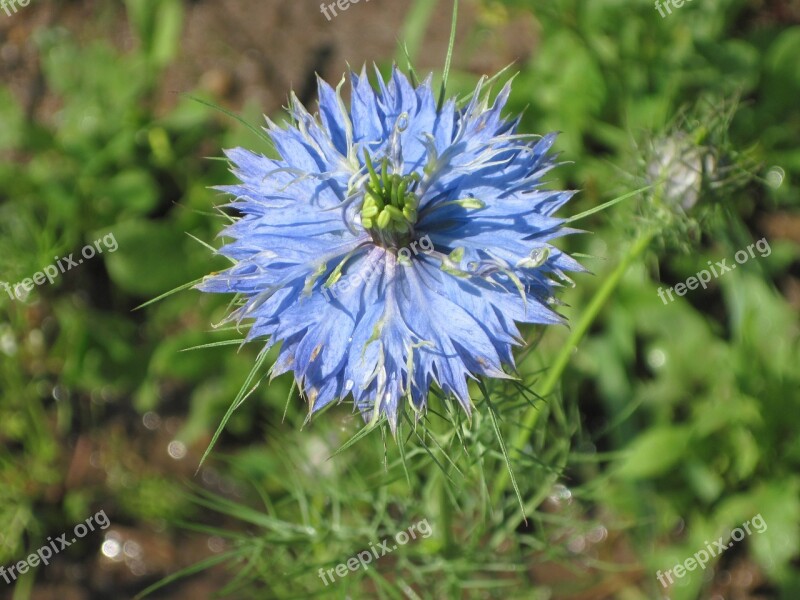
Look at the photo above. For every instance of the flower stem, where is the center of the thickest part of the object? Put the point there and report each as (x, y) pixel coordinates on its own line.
(440, 491)
(445, 517)
(562, 359)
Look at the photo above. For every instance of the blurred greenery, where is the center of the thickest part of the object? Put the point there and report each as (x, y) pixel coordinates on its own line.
(672, 424)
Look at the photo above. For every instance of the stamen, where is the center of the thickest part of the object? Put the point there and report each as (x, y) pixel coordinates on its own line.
(389, 208)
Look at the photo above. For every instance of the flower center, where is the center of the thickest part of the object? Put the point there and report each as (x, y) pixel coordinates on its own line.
(389, 211)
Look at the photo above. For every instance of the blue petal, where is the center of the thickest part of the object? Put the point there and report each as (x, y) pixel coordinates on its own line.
(385, 332)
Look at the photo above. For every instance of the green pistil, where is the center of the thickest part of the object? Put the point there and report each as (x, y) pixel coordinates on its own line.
(390, 209)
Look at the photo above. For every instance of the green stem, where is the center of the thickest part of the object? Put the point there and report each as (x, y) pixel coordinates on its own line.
(562, 359)
(445, 517)
(442, 429)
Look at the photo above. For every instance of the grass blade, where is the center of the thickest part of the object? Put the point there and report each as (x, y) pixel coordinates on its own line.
(504, 450)
(605, 205)
(449, 57)
(240, 397)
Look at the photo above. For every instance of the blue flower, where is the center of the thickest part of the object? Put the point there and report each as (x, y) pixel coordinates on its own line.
(394, 245)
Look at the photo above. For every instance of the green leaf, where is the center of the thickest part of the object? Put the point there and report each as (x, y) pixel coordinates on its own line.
(781, 78)
(167, 31)
(417, 20)
(654, 452)
(153, 257)
(12, 118)
(158, 24)
(132, 192)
